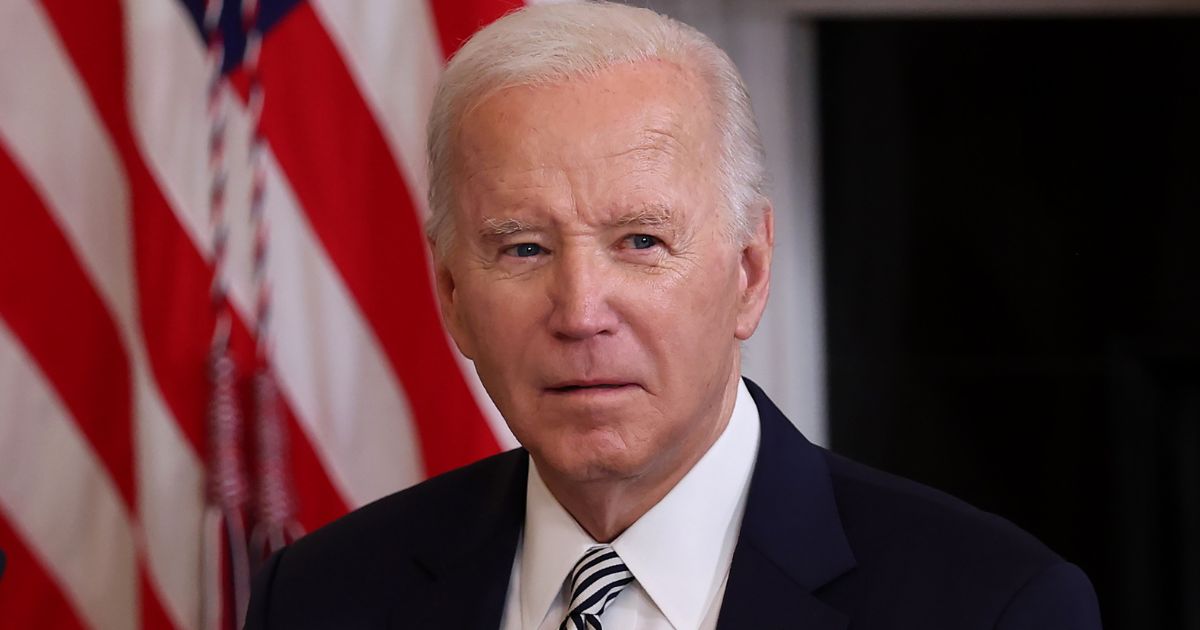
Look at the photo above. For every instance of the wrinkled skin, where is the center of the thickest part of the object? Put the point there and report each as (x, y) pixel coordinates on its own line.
(595, 285)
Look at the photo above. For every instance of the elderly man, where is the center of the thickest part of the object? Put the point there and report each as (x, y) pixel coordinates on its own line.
(602, 246)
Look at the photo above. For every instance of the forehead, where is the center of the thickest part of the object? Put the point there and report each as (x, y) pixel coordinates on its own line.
(632, 131)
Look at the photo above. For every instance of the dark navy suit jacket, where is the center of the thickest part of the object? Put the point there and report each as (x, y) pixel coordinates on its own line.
(825, 544)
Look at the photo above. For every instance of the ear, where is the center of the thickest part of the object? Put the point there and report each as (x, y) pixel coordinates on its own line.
(755, 260)
(447, 295)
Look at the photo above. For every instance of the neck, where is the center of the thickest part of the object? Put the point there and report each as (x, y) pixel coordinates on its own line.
(607, 507)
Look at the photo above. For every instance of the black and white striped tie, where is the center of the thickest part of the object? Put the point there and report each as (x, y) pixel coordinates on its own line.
(596, 581)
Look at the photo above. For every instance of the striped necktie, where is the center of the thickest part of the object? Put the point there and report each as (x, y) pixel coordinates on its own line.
(596, 581)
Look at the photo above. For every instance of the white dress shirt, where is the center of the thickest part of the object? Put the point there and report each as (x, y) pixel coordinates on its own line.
(679, 552)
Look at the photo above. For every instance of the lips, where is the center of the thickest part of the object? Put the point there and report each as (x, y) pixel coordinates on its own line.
(570, 387)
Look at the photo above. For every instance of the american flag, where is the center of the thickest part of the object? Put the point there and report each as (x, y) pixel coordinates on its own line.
(129, 178)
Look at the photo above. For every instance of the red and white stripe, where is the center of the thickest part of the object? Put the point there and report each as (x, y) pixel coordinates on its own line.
(106, 263)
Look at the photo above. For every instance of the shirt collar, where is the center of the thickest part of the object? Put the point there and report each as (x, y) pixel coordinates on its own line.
(679, 551)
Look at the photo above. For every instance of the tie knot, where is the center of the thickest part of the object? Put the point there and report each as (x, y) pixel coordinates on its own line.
(596, 581)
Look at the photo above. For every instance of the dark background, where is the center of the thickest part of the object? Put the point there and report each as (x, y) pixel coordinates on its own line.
(1011, 220)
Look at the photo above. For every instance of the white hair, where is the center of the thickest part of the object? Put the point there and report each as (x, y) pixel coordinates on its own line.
(552, 43)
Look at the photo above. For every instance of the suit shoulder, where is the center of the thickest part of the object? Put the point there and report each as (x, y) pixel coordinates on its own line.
(426, 508)
(886, 516)
(348, 573)
(926, 559)
(385, 537)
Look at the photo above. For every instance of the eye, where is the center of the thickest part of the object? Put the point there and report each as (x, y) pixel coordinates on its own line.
(524, 250)
(642, 241)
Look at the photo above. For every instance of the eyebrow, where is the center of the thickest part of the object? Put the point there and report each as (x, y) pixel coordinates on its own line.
(494, 229)
(650, 215)
(654, 215)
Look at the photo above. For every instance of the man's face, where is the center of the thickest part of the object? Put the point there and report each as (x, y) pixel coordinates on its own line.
(592, 279)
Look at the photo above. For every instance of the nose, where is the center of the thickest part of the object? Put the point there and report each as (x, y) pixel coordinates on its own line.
(581, 295)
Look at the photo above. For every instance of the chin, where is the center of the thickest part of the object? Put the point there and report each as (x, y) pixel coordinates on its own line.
(595, 456)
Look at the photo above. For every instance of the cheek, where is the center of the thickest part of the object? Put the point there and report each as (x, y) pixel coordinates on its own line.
(499, 319)
(703, 302)
(685, 321)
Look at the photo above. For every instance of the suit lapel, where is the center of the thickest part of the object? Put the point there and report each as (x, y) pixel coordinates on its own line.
(468, 569)
(791, 541)
(761, 595)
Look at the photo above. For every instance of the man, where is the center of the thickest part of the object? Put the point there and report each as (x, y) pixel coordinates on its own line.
(602, 246)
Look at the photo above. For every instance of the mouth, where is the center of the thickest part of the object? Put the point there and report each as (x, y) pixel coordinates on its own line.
(587, 387)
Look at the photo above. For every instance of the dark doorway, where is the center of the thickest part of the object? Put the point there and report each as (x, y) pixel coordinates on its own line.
(1011, 221)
